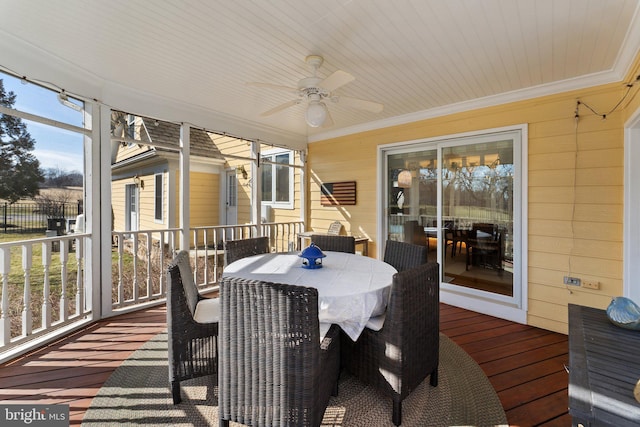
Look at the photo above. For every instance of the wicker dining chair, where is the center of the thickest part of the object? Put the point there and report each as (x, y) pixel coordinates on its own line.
(398, 357)
(335, 243)
(274, 370)
(192, 326)
(242, 248)
(403, 256)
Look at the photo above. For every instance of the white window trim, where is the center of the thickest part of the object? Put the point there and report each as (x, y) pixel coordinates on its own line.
(290, 203)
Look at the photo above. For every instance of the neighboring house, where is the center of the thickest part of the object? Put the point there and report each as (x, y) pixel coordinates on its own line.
(145, 177)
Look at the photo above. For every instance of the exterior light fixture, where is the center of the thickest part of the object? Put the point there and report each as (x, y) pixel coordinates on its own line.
(138, 182)
(241, 170)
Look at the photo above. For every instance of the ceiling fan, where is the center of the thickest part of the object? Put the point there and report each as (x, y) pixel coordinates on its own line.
(315, 91)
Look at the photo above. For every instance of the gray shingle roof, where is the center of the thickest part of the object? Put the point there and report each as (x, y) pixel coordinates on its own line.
(169, 133)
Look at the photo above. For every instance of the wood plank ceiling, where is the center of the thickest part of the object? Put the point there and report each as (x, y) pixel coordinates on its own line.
(417, 57)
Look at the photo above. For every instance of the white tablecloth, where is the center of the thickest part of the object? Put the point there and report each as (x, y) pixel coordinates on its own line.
(351, 288)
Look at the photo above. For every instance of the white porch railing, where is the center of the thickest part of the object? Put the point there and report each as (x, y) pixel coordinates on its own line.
(42, 287)
(43, 283)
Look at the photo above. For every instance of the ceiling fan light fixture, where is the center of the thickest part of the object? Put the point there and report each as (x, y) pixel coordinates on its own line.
(316, 114)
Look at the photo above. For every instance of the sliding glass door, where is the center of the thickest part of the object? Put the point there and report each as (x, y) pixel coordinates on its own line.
(461, 198)
(477, 215)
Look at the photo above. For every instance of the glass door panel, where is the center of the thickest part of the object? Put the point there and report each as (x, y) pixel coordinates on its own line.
(412, 186)
(477, 216)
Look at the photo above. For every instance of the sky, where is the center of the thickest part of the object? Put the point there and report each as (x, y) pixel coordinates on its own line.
(54, 148)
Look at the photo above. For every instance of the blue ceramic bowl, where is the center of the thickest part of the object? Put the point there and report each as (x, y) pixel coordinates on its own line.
(624, 313)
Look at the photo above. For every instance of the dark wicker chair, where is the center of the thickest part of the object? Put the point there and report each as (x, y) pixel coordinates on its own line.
(335, 243)
(238, 249)
(404, 256)
(414, 233)
(398, 357)
(273, 368)
(192, 325)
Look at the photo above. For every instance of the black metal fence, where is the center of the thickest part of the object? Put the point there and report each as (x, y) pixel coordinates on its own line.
(38, 217)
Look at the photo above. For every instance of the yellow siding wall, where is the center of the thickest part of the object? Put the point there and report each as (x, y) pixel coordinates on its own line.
(583, 240)
(118, 203)
(204, 199)
(126, 151)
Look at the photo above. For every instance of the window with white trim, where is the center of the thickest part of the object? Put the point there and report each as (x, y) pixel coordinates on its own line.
(158, 197)
(277, 179)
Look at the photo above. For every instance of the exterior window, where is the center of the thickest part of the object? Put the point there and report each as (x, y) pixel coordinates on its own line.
(277, 179)
(159, 191)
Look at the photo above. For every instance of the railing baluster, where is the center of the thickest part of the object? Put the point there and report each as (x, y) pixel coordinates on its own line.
(161, 287)
(5, 320)
(135, 268)
(64, 301)
(149, 250)
(27, 313)
(64, 247)
(46, 304)
(206, 256)
(120, 268)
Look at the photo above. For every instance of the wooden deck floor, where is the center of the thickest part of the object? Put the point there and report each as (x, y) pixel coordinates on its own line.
(524, 364)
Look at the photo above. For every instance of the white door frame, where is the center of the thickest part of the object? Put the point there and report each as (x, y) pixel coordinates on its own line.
(631, 225)
(228, 175)
(469, 298)
(131, 224)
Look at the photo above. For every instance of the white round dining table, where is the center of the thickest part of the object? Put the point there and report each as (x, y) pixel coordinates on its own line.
(351, 288)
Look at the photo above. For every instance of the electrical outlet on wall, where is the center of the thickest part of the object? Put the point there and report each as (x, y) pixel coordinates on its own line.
(573, 281)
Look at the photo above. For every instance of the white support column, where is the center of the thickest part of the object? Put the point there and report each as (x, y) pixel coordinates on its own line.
(303, 187)
(185, 153)
(256, 186)
(99, 223)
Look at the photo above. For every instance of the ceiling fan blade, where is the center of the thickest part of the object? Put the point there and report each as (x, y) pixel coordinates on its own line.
(336, 80)
(272, 86)
(280, 107)
(374, 107)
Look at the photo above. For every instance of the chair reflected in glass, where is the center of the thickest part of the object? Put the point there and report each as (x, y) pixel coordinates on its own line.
(485, 247)
(414, 233)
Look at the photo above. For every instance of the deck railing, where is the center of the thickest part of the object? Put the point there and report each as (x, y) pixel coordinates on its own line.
(43, 284)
